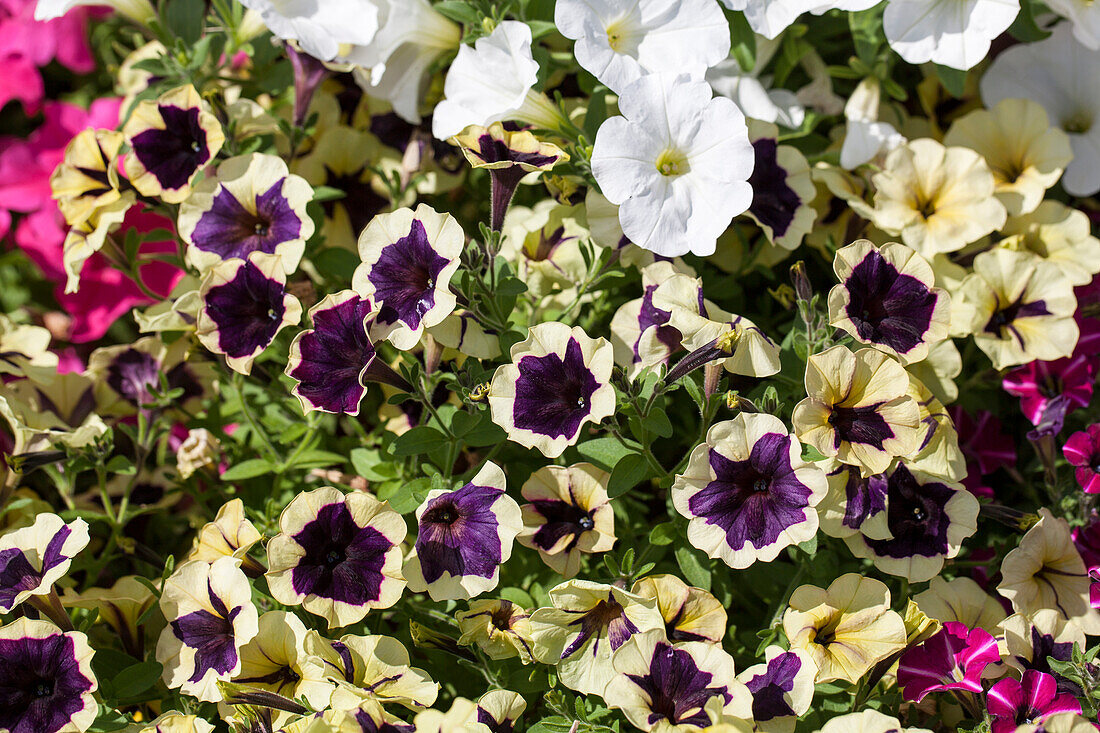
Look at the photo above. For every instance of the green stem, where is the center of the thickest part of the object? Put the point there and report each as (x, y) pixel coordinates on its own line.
(253, 424)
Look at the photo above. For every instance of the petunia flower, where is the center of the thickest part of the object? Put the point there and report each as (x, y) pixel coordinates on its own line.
(558, 380)
(568, 514)
(463, 332)
(121, 607)
(886, 299)
(369, 715)
(245, 304)
(461, 716)
(961, 600)
(1082, 450)
(332, 362)
(492, 81)
(508, 155)
(1030, 700)
(200, 449)
(927, 520)
(321, 28)
(1053, 73)
(1027, 155)
(210, 617)
(46, 679)
(499, 710)
(463, 537)
(544, 243)
(408, 260)
(336, 554)
(1045, 385)
(854, 503)
(656, 166)
(33, 558)
(127, 375)
(938, 453)
(752, 90)
(690, 614)
(282, 658)
(867, 721)
(500, 628)
(1060, 235)
(1046, 571)
(42, 413)
(747, 492)
(936, 198)
(252, 204)
(231, 534)
(585, 625)
(782, 688)
(376, 667)
(782, 188)
(1019, 308)
(619, 42)
(171, 139)
(867, 137)
(952, 35)
(953, 659)
(1031, 641)
(640, 331)
(173, 722)
(845, 629)
(661, 686)
(857, 408)
(771, 17)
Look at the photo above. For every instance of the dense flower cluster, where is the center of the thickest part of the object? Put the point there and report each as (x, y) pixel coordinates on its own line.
(564, 366)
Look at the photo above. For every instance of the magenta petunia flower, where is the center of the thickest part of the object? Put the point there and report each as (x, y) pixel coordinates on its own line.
(1012, 703)
(1083, 451)
(1039, 383)
(982, 440)
(953, 659)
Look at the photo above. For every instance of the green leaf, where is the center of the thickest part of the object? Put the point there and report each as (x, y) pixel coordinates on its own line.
(540, 28)
(664, 533)
(120, 465)
(405, 497)
(458, 11)
(486, 433)
(336, 263)
(631, 470)
(866, 28)
(594, 116)
(136, 679)
(327, 193)
(695, 572)
(604, 452)
(421, 439)
(658, 423)
(108, 719)
(1024, 28)
(743, 41)
(511, 286)
(953, 80)
(186, 19)
(463, 422)
(317, 458)
(249, 469)
(809, 453)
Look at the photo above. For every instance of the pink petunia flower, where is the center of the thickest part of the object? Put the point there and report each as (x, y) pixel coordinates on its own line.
(953, 659)
(1082, 450)
(1012, 703)
(1087, 540)
(1039, 383)
(26, 45)
(982, 440)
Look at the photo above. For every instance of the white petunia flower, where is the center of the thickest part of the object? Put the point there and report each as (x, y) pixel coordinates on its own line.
(320, 28)
(1085, 17)
(955, 33)
(621, 40)
(491, 82)
(677, 163)
(866, 137)
(1060, 74)
(751, 92)
(769, 18)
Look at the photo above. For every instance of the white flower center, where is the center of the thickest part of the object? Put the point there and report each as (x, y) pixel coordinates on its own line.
(672, 162)
(623, 35)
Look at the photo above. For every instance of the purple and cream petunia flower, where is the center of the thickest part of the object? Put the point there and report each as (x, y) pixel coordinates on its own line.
(332, 362)
(173, 722)
(927, 519)
(210, 617)
(640, 331)
(782, 688)
(408, 260)
(171, 139)
(245, 304)
(463, 537)
(282, 658)
(1031, 641)
(500, 628)
(33, 558)
(690, 614)
(858, 408)
(498, 710)
(663, 686)
(253, 204)
(568, 514)
(953, 659)
(782, 188)
(375, 667)
(854, 503)
(585, 625)
(747, 492)
(126, 376)
(558, 380)
(886, 299)
(46, 679)
(336, 554)
(1031, 699)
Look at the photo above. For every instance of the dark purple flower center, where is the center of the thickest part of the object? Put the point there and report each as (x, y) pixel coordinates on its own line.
(361, 202)
(859, 425)
(770, 687)
(886, 306)
(173, 154)
(40, 684)
(135, 374)
(563, 519)
(677, 689)
(495, 150)
(404, 277)
(608, 618)
(367, 725)
(917, 517)
(210, 635)
(753, 500)
(231, 230)
(342, 560)
(774, 202)
(1005, 318)
(248, 311)
(553, 394)
(334, 355)
(459, 534)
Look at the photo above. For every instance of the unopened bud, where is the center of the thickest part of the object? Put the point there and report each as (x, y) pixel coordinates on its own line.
(801, 281)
